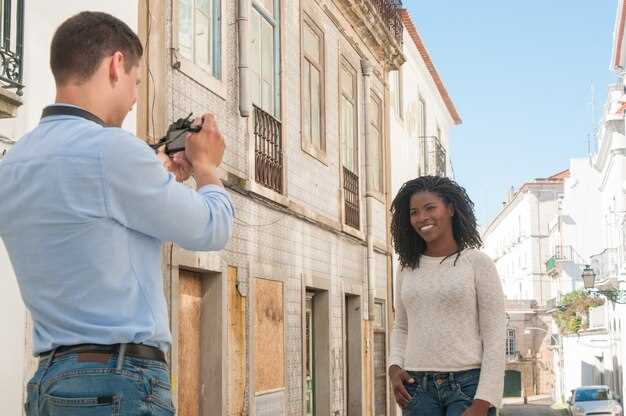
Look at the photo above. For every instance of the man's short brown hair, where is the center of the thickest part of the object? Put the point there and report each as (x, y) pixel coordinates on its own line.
(81, 43)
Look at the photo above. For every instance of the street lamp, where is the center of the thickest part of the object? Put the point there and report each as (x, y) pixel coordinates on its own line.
(554, 338)
(589, 282)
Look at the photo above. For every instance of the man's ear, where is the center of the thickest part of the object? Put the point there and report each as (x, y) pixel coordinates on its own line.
(116, 65)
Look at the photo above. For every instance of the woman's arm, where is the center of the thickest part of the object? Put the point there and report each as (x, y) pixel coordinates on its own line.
(492, 325)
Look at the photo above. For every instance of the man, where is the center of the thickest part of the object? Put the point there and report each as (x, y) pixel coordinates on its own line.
(85, 208)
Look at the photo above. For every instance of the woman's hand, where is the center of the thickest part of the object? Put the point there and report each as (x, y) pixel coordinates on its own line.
(478, 408)
(398, 378)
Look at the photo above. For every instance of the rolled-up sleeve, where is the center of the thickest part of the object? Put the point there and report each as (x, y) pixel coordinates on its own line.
(141, 195)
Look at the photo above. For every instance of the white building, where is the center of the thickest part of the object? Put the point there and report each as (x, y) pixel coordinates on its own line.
(20, 114)
(517, 239)
(589, 228)
(421, 114)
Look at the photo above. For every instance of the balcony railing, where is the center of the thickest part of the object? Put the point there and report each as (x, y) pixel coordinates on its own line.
(605, 264)
(433, 157)
(12, 45)
(268, 151)
(351, 198)
(560, 254)
(389, 11)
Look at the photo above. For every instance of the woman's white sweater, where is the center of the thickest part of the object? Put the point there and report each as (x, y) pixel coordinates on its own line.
(451, 318)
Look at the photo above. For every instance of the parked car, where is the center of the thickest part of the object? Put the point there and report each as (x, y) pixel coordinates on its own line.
(594, 400)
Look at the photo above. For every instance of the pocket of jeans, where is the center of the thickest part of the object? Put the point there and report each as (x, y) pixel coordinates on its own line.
(82, 406)
(414, 390)
(161, 395)
(30, 391)
(466, 391)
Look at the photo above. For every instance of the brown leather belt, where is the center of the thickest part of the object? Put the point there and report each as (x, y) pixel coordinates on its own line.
(132, 350)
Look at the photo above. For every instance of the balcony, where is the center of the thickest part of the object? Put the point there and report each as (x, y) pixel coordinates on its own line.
(11, 57)
(351, 198)
(605, 264)
(433, 158)
(268, 151)
(562, 254)
(379, 23)
(388, 10)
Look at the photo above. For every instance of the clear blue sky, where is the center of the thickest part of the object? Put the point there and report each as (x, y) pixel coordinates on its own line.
(520, 74)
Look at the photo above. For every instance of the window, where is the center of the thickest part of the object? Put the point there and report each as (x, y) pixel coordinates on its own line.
(348, 116)
(312, 86)
(395, 82)
(199, 33)
(511, 342)
(375, 119)
(421, 136)
(421, 118)
(349, 142)
(265, 55)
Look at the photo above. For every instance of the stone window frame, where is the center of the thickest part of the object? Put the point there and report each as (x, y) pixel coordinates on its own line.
(216, 85)
(375, 97)
(275, 19)
(318, 153)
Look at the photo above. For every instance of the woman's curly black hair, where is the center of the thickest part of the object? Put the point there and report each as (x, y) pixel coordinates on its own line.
(407, 242)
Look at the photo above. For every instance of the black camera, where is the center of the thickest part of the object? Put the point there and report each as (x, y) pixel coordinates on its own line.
(174, 139)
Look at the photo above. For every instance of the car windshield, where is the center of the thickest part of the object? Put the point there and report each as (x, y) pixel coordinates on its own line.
(588, 395)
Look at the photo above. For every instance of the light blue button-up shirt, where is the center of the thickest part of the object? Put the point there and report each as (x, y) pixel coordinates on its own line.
(83, 212)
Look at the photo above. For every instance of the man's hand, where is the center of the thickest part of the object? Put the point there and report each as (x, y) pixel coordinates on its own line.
(398, 377)
(205, 151)
(478, 408)
(177, 164)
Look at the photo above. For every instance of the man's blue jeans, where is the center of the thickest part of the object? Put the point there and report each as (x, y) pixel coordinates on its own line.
(442, 394)
(90, 385)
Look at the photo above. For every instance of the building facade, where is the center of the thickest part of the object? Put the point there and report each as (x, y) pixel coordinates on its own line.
(517, 239)
(298, 301)
(421, 114)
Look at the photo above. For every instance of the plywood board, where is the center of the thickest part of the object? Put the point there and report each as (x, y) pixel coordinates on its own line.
(269, 335)
(189, 376)
(236, 344)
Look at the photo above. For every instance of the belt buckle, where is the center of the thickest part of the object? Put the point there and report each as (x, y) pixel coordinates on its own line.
(439, 381)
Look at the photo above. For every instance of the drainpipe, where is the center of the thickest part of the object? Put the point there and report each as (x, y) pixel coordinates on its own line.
(242, 31)
(366, 69)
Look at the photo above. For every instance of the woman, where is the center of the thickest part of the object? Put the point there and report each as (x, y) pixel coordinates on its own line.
(447, 342)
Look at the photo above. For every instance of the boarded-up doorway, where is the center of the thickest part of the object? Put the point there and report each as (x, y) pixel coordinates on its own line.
(354, 358)
(200, 344)
(269, 347)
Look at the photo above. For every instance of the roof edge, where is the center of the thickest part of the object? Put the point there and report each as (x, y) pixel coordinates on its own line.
(443, 92)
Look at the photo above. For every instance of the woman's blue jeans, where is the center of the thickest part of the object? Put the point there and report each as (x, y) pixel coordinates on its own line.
(442, 394)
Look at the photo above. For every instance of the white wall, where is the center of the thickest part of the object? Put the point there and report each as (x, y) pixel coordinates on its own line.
(515, 241)
(581, 363)
(41, 19)
(416, 82)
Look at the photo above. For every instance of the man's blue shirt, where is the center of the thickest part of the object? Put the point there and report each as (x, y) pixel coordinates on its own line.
(83, 212)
